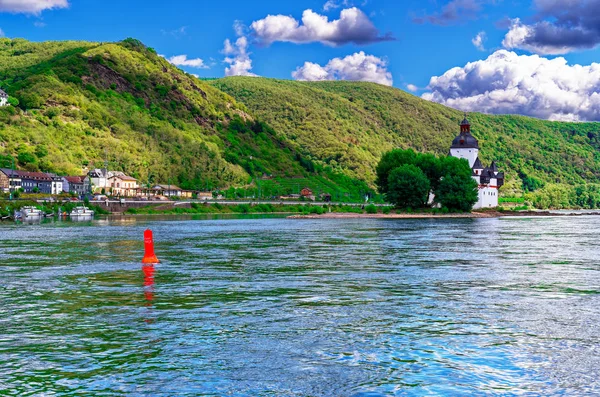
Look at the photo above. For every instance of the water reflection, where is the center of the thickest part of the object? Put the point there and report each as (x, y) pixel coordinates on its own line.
(148, 283)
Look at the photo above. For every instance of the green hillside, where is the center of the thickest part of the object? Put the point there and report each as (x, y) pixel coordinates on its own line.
(81, 102)
(75, 103)
(348, 125)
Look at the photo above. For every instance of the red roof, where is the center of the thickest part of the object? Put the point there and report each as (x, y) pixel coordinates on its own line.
(40, 176)
(75, 179)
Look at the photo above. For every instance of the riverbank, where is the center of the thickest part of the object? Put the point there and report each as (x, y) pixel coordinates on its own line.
(424, 215)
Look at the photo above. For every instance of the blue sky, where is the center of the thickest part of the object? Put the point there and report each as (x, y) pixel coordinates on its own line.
(404, 42)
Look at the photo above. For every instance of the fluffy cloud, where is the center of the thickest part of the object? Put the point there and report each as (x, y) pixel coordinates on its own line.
(352, 27)
(412, 88)
(182, 60)
(31, 6)
(478, 41)
(561, 26)
(453, 12)
(530, 85)
(356, 67)
(237, 55)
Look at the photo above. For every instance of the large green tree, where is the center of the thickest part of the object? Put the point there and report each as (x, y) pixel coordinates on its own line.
(408, 187)
(457, 190)
(390, 161)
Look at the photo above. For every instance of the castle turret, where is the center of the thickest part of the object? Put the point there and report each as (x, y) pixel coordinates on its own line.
(465, 145)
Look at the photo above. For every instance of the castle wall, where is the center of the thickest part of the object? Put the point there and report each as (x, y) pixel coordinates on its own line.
(469, 154)
(488, 197)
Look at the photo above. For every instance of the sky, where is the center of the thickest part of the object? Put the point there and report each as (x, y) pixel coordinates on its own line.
(530, 57)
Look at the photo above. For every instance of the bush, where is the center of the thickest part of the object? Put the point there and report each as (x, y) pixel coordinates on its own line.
(386, 210)
(371, 209)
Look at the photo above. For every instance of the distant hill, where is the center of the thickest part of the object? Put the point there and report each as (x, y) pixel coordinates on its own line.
(79, 102)
(350, 124)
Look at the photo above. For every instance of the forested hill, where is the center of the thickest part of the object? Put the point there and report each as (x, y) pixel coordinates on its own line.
(350, 124)
(75, 103)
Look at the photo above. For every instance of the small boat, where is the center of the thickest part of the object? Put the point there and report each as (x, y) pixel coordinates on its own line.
(29, 213)
(81, 213)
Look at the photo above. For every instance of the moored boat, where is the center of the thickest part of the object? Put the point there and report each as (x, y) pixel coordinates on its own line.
(29, 212)
(81, 213)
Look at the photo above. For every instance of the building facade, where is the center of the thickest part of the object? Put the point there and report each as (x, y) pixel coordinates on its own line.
(57, 183)
(35, 182)
(99, 179)
(78, 185)
(465, 146)
(10, 181)
(3, 98)
(122, 185)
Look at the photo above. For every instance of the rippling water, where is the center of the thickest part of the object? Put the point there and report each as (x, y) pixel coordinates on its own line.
(278, 307)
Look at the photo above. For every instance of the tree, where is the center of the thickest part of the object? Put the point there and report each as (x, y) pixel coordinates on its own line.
(390, 161)
(408, 187)
(457, 190)
(431, 166)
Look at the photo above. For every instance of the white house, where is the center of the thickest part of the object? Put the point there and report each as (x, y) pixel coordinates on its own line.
(57, 183)
(99, 179)
(3, 98)
(465, 146)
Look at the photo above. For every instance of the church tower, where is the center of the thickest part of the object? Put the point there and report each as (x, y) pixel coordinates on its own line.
(465, 146)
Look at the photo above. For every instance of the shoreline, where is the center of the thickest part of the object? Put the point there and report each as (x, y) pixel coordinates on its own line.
(470, 215)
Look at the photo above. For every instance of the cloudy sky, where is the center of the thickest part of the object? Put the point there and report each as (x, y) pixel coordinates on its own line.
(531, 57)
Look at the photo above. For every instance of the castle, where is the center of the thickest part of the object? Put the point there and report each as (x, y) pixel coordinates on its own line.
(465, 146)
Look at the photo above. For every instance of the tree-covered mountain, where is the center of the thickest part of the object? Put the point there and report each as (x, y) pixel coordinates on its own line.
(79, 103)
(76, 103)
(348, 125)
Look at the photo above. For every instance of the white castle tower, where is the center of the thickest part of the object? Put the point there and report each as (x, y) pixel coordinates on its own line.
(465, 146)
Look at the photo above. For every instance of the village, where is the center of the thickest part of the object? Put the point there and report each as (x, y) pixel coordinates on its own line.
(100, 184)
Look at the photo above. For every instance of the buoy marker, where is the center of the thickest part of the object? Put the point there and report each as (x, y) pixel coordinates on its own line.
(149, 255)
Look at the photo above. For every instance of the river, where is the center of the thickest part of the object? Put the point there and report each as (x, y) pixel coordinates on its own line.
(279, 307)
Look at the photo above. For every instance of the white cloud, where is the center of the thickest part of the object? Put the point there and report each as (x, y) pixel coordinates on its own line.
(238, 57)
(530, 85)
(182, 60)
(31, 6)
(478, 41)
(559, 27)
(412, 88)
(352, 27)
(356, 67)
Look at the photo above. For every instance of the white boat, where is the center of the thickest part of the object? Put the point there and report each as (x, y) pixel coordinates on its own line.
(81, 213)
(29, 213)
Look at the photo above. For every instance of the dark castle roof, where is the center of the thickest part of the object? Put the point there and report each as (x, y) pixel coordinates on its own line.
(477, 165)
(465, 141)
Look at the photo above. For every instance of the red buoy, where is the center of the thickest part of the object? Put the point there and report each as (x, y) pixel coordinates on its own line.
(149, 255)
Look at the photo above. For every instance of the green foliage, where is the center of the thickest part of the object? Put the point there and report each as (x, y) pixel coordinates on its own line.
(390, 161)
(408, 187)
(457, 190)
(371, 209)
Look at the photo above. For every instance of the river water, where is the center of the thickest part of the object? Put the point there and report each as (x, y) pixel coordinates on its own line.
(278, 307)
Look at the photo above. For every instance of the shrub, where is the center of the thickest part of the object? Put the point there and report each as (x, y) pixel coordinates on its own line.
(371, 209)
